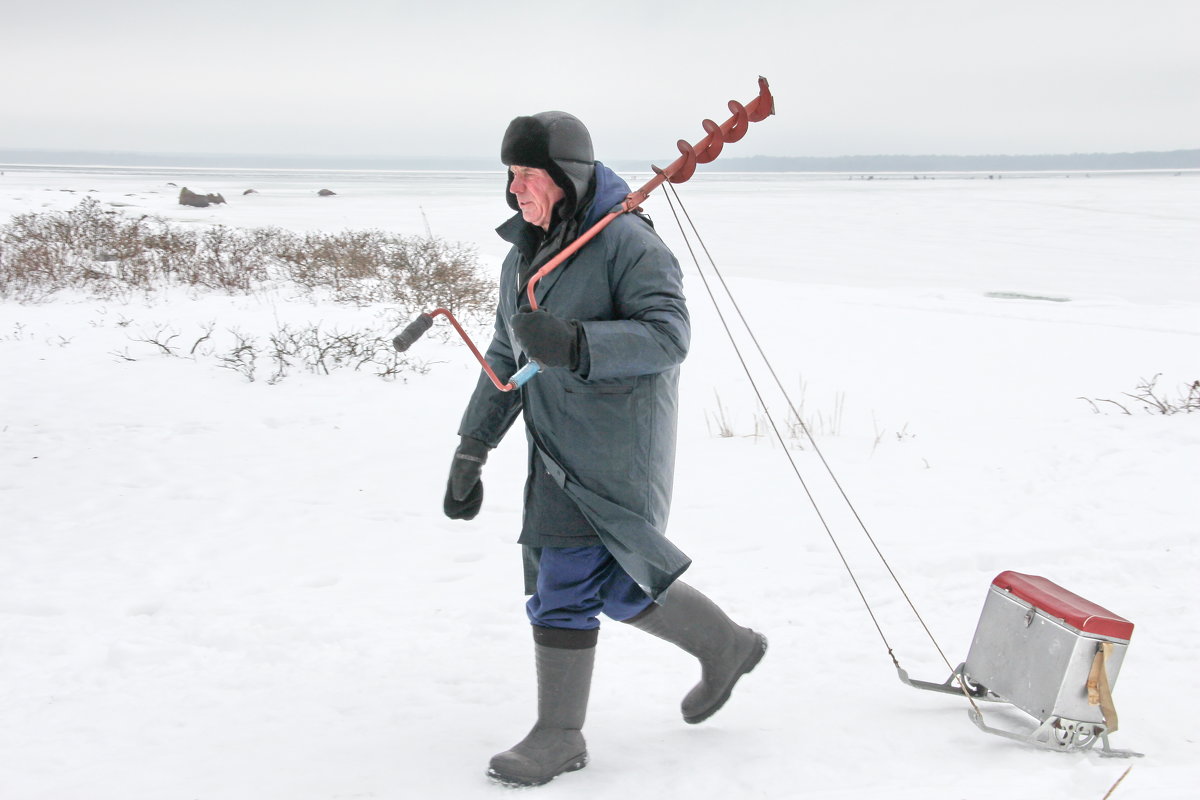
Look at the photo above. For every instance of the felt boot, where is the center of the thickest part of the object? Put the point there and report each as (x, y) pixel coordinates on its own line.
(726, 651)
(555, 745)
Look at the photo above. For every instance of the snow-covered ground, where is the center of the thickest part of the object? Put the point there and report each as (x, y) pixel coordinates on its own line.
(222, 589)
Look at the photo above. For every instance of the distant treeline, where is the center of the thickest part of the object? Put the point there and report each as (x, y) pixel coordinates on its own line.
(1174, 159)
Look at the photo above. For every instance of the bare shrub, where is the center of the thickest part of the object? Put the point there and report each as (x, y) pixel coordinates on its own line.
(1153, 400)
(162, 338)
(104, 252)
(43, 253)
(334, 261)
(242, 357)
(230, 259)
(170, 251)
(308, 348)
(86, 247)
(416, 273)
(321, 351)
(424, 273)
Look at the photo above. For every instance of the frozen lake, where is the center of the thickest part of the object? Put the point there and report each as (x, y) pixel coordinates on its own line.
(219, 588)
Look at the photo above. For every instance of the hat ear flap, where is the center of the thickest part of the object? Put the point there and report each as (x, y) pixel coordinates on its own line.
(508, 194)
(564, 182)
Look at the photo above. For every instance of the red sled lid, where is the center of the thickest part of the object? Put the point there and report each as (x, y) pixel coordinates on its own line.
(1049, 597)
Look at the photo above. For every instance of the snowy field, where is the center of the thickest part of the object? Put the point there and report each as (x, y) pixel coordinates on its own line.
(229, 590)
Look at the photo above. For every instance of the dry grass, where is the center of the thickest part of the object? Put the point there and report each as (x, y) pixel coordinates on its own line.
(107, 253)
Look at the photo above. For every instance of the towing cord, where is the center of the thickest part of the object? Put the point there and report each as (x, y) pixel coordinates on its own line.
(673, 199)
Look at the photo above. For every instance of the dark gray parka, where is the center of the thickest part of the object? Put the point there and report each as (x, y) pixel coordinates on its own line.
(605, 433)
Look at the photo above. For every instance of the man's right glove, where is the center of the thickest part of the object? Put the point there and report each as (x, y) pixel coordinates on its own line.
(545, 338)
(464, 490)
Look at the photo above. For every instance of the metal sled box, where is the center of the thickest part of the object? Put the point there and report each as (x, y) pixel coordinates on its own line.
(1035, 644)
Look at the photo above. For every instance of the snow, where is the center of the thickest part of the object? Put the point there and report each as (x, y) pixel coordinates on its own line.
(217, 588)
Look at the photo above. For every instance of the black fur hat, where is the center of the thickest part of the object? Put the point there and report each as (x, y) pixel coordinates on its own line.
(556, 142)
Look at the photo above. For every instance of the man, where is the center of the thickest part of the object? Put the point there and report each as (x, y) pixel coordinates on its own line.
(610, 333)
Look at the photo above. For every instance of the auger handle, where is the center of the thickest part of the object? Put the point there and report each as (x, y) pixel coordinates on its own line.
(416, 329)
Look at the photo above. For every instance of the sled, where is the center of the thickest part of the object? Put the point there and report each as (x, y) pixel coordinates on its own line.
(1049, 653)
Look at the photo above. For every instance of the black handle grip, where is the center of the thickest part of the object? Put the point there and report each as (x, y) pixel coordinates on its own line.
(415, 330)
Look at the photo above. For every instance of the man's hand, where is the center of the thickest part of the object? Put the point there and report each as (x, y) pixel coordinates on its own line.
(464, 490)
(548, 340)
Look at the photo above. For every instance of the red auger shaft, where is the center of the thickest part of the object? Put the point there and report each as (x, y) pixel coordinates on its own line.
(678, 171)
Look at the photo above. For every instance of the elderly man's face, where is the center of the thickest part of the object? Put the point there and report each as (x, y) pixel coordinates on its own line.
(536, 194)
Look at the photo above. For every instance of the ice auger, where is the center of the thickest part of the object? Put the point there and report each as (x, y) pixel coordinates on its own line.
(680, 170)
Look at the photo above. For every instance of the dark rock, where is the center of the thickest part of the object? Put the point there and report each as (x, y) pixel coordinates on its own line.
(250, 191)
(326, 193)
(189, 198)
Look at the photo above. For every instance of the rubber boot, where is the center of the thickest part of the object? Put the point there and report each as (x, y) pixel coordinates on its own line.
(555, 745)
(726, 651)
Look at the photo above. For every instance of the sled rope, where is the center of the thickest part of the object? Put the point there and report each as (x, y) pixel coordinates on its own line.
(808, 435)
(1109, 793)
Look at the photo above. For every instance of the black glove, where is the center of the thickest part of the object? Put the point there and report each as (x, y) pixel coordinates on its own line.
(464, 490)
(548, 340)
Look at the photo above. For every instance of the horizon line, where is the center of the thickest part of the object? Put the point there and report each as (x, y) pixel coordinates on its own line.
(1139, 159)
(461, 157)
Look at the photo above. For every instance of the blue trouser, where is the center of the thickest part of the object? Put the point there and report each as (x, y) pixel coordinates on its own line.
(575, 584)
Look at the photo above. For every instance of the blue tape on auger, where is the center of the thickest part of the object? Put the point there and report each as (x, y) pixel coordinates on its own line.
(526, 372)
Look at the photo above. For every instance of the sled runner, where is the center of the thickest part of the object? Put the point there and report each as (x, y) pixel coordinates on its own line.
(1048, 652)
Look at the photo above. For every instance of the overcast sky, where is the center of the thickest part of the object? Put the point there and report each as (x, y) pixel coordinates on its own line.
(442, 78)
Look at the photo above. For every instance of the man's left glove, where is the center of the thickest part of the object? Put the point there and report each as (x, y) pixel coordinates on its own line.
(548, 340)
(464, 490)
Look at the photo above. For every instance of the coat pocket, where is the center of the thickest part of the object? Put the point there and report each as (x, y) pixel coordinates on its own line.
(605, 425)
